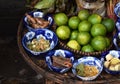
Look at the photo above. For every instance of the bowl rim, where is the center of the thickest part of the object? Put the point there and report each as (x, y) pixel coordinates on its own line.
(87, 78)
(37, 53)
(115, 40)
(116, 9)
(54, 68)
(103, 57)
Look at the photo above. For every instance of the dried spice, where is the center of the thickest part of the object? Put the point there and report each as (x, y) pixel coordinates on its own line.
(86, 70)
(39, 44)
(37, 22)
(61, 62)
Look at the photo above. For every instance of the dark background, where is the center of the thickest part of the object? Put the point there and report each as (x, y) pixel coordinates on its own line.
(11, 12)
(12, 65)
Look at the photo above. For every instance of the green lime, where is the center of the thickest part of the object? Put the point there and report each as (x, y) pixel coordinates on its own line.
(109, 24)
(98, 43)
(63, 32)
(74, 35)
(73, 22)
(74, 44)
(84, 26)
(94, 18)
(83, 38)
(83, 14)
(108, 41)
(60, 19)
(87, 48)
(98, 29)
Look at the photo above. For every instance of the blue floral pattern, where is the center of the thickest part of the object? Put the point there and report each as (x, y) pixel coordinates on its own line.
(64, 53)
(45, 33)
(88, 61)
(117, 9)
(38, 13)
(114, 53)
(117, 35)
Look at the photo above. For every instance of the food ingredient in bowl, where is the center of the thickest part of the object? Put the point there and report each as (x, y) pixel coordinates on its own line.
(80, 69)
(112, 63)
(108, 57)
(86, 70)
(36, 22)
(106, 64)
(117, 67)
(40, 44)
(61, 62)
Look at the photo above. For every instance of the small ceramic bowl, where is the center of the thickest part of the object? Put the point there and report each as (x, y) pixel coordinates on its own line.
(117, 9)
(116, 40)
(90, 61)
(39, 14)
(114, 53)
(59, 52)
(44, 33)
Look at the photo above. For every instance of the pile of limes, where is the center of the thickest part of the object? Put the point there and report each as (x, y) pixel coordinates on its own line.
(85, 31)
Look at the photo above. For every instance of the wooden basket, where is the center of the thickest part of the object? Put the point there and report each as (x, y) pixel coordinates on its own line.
(62, 44)
(39, 65)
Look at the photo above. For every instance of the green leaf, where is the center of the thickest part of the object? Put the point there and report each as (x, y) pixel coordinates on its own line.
(44, 4)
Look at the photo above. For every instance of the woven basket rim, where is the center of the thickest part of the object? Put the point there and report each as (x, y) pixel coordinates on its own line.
(63, 45)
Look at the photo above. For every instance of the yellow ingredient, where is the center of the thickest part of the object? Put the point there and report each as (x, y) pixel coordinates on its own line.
(86, 70)
(114, 61)
(109, 57)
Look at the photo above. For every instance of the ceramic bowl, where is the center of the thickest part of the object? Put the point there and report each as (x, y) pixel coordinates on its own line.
(114, 53)
(118, 24)
(44, 33)
(40, 14)
(117, 9)
(59, 52)
(91, 61)
(116, 40)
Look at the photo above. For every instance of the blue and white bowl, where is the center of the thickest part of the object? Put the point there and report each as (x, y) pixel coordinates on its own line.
(117, 9)
(59, 52)
(118, 25)
(46, 34)
(114, 53)
(116, 36)
(88, 61)
(38, 13)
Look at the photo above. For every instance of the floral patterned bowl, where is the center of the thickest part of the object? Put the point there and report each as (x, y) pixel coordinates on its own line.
(117, 9)
(59, 52)
(38, 14)
(89, 61)
(116, 40)
(114, 53)
(118, 24)
(46, 34)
